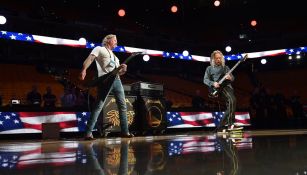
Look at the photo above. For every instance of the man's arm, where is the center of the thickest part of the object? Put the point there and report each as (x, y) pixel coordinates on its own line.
(88, 61)
(207, 80)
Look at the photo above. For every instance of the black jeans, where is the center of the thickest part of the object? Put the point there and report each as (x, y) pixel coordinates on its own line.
(227, 94)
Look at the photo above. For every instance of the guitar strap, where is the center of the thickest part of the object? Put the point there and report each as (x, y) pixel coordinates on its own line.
(224, 70)
(112, 60)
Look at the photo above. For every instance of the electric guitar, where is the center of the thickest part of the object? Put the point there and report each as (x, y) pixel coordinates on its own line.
(213, 92)
(109, 77)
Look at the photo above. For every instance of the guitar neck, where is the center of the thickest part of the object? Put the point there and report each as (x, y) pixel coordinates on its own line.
(115, 71)
(229, 72)
(130, 57)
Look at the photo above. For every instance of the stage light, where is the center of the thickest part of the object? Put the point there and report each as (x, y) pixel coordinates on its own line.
(82, 41)
(174, 9)
(185, 53)
(290, 57)
(2, 19)
(253, 23)
(228, 49)
(298, 55)
(146, 57)
(263, 61)
(217, 3)
(121, 12)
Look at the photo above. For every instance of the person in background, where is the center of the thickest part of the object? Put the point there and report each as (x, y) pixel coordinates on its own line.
(34, 98)
(49, 99)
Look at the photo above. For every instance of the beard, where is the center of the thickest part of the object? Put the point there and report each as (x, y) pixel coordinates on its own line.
(218, 63)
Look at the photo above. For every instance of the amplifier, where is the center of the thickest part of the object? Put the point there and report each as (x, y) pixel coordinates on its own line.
(111, 115)
(147, 89)
(127, 89)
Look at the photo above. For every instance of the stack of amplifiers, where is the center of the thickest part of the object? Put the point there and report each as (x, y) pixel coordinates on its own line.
(147, 89)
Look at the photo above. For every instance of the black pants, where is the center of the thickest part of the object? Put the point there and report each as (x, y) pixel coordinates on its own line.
(228, 95)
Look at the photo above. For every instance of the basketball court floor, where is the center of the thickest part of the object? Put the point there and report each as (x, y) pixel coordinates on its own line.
(251, 152)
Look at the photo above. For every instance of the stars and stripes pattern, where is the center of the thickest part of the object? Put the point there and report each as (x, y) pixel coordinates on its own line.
(40, 39)
(31, 122)
(190, 144)
(189, 119)
(172, 55)
(206, 144)
(203, 119)
(29, 155)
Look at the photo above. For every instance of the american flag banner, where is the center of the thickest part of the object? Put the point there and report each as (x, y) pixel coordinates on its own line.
(31, 122)
(165, 54)
(40, 39)
(29, 155)
(189, 119)
(206, 144)
(190, 144)
(203, 119)
(242, 119)
(244, 143)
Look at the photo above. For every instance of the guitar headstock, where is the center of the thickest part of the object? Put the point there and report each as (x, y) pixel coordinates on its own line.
(136, 53)
(244, 58)
(133, 54)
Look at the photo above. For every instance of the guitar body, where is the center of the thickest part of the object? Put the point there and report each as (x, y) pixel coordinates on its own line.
(104, 84)
(214, 92)
(102, 80)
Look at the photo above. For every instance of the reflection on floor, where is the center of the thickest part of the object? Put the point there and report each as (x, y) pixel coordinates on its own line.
(251, 152)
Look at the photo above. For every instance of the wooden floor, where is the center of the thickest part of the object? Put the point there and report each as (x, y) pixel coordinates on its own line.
(250, 152)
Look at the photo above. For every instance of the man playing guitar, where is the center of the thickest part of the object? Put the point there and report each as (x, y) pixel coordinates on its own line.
(106, 62)
(213, 74)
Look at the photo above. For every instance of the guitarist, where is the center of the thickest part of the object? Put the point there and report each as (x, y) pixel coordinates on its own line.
(106, 61)
(214, 72)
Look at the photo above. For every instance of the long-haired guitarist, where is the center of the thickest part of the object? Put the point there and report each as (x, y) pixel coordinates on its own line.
(213, 74)
(106, 61)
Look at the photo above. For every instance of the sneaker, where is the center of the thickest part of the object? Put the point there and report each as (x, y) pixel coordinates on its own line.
(126, 135)
(234, 128)
(89, 138)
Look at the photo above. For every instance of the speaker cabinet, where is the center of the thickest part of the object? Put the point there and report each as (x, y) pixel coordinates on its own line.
(110, 119)
(151, 114)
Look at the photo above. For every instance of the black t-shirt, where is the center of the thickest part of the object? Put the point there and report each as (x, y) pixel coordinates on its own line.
(34, 98)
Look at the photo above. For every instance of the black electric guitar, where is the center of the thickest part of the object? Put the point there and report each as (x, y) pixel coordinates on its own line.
(213, 92)
(108, 78)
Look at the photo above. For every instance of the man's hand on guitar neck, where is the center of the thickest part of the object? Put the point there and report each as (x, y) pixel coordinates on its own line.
(123, 69)
(228, 77)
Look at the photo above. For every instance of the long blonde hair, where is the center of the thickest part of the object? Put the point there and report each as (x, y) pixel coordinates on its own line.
(212, 58)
